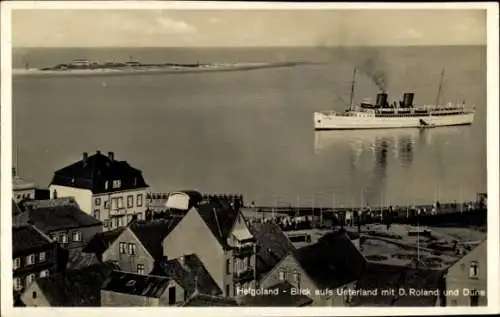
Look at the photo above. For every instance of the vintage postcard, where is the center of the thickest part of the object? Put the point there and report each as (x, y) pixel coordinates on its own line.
(307, 159)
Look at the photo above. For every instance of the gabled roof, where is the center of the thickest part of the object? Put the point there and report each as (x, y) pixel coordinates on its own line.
(333, 261)
(77, 287)
(93, 172)
(190, 274)
(136, 284)
(27, 237)
(284, 299)
(219, 216)
(151, 233)
(202, 300)
(101, 241)
(272, 244)
(80, 260)
(58, 217)
(382, 276)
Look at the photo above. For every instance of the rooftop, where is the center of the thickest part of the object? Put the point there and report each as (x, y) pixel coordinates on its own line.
(76, 287)
(79, 260)
(219, 217)
(273, 245)
(379, 276)
(333, 261)
(97, 173)
(27, 237)
(56, 217)
(101, 241)
(190, 273)
(151, 233)
(136, 284)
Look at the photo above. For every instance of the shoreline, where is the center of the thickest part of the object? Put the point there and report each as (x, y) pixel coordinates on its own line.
(154, 70)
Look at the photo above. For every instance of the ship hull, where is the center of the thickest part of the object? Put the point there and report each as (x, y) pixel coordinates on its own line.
(324, 121)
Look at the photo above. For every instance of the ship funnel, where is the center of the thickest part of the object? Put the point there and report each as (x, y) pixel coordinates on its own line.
(408, 99)
(382, 99)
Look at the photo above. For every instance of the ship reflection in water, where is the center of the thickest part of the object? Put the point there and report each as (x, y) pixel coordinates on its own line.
(388, 160)
(400, 143)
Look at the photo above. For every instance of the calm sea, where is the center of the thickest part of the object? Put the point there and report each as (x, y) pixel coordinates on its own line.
(251, 132)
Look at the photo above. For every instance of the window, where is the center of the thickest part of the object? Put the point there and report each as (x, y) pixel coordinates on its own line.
(171, 296)
(30, 259)
(282, 275)
(130, 201)
(29, 279)
(18, 284)
(139, 216)
(139, 200)
(44, 273)
(228, 288)
(120, 202)
(140, 268)
(97, 214)
(106, 204)
(296, 278)
(77, 236)
(228, 266)
(123, 248)
(473, 270)
(106, 185)
(97, 201)
(17, 263)
(42, 256)
(131, 248)
(117, 183)
(64, 238)
(129, 219)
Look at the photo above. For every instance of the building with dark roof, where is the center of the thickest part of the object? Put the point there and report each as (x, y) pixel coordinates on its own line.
(129, 289)
(469, 272)
(190, 273)
(219, 236)
(34, 255)
(69, 288)
(387, 277)
(108, 189)
(333, 262)
(62, 220)
(137, 248)
(273, 245)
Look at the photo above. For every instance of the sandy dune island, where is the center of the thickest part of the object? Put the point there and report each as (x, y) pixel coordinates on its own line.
(142, 69)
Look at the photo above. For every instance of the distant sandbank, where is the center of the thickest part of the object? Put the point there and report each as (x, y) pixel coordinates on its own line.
(147, 70)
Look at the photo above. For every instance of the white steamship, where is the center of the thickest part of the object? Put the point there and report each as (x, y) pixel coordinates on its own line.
(402, 114)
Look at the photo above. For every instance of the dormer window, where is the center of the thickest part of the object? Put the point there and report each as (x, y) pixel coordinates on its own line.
(106, 185)
(117, 183)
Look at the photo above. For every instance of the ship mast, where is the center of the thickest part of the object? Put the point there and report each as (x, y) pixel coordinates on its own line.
(440, 88)
(353, 83)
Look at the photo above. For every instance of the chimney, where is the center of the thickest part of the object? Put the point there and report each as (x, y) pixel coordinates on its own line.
(381, 99)
(85, 158)
(408, 100)
(97, 152)
(111, 156)
(14, 173)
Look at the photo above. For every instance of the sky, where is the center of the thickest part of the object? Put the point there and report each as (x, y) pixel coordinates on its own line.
(243, 28)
